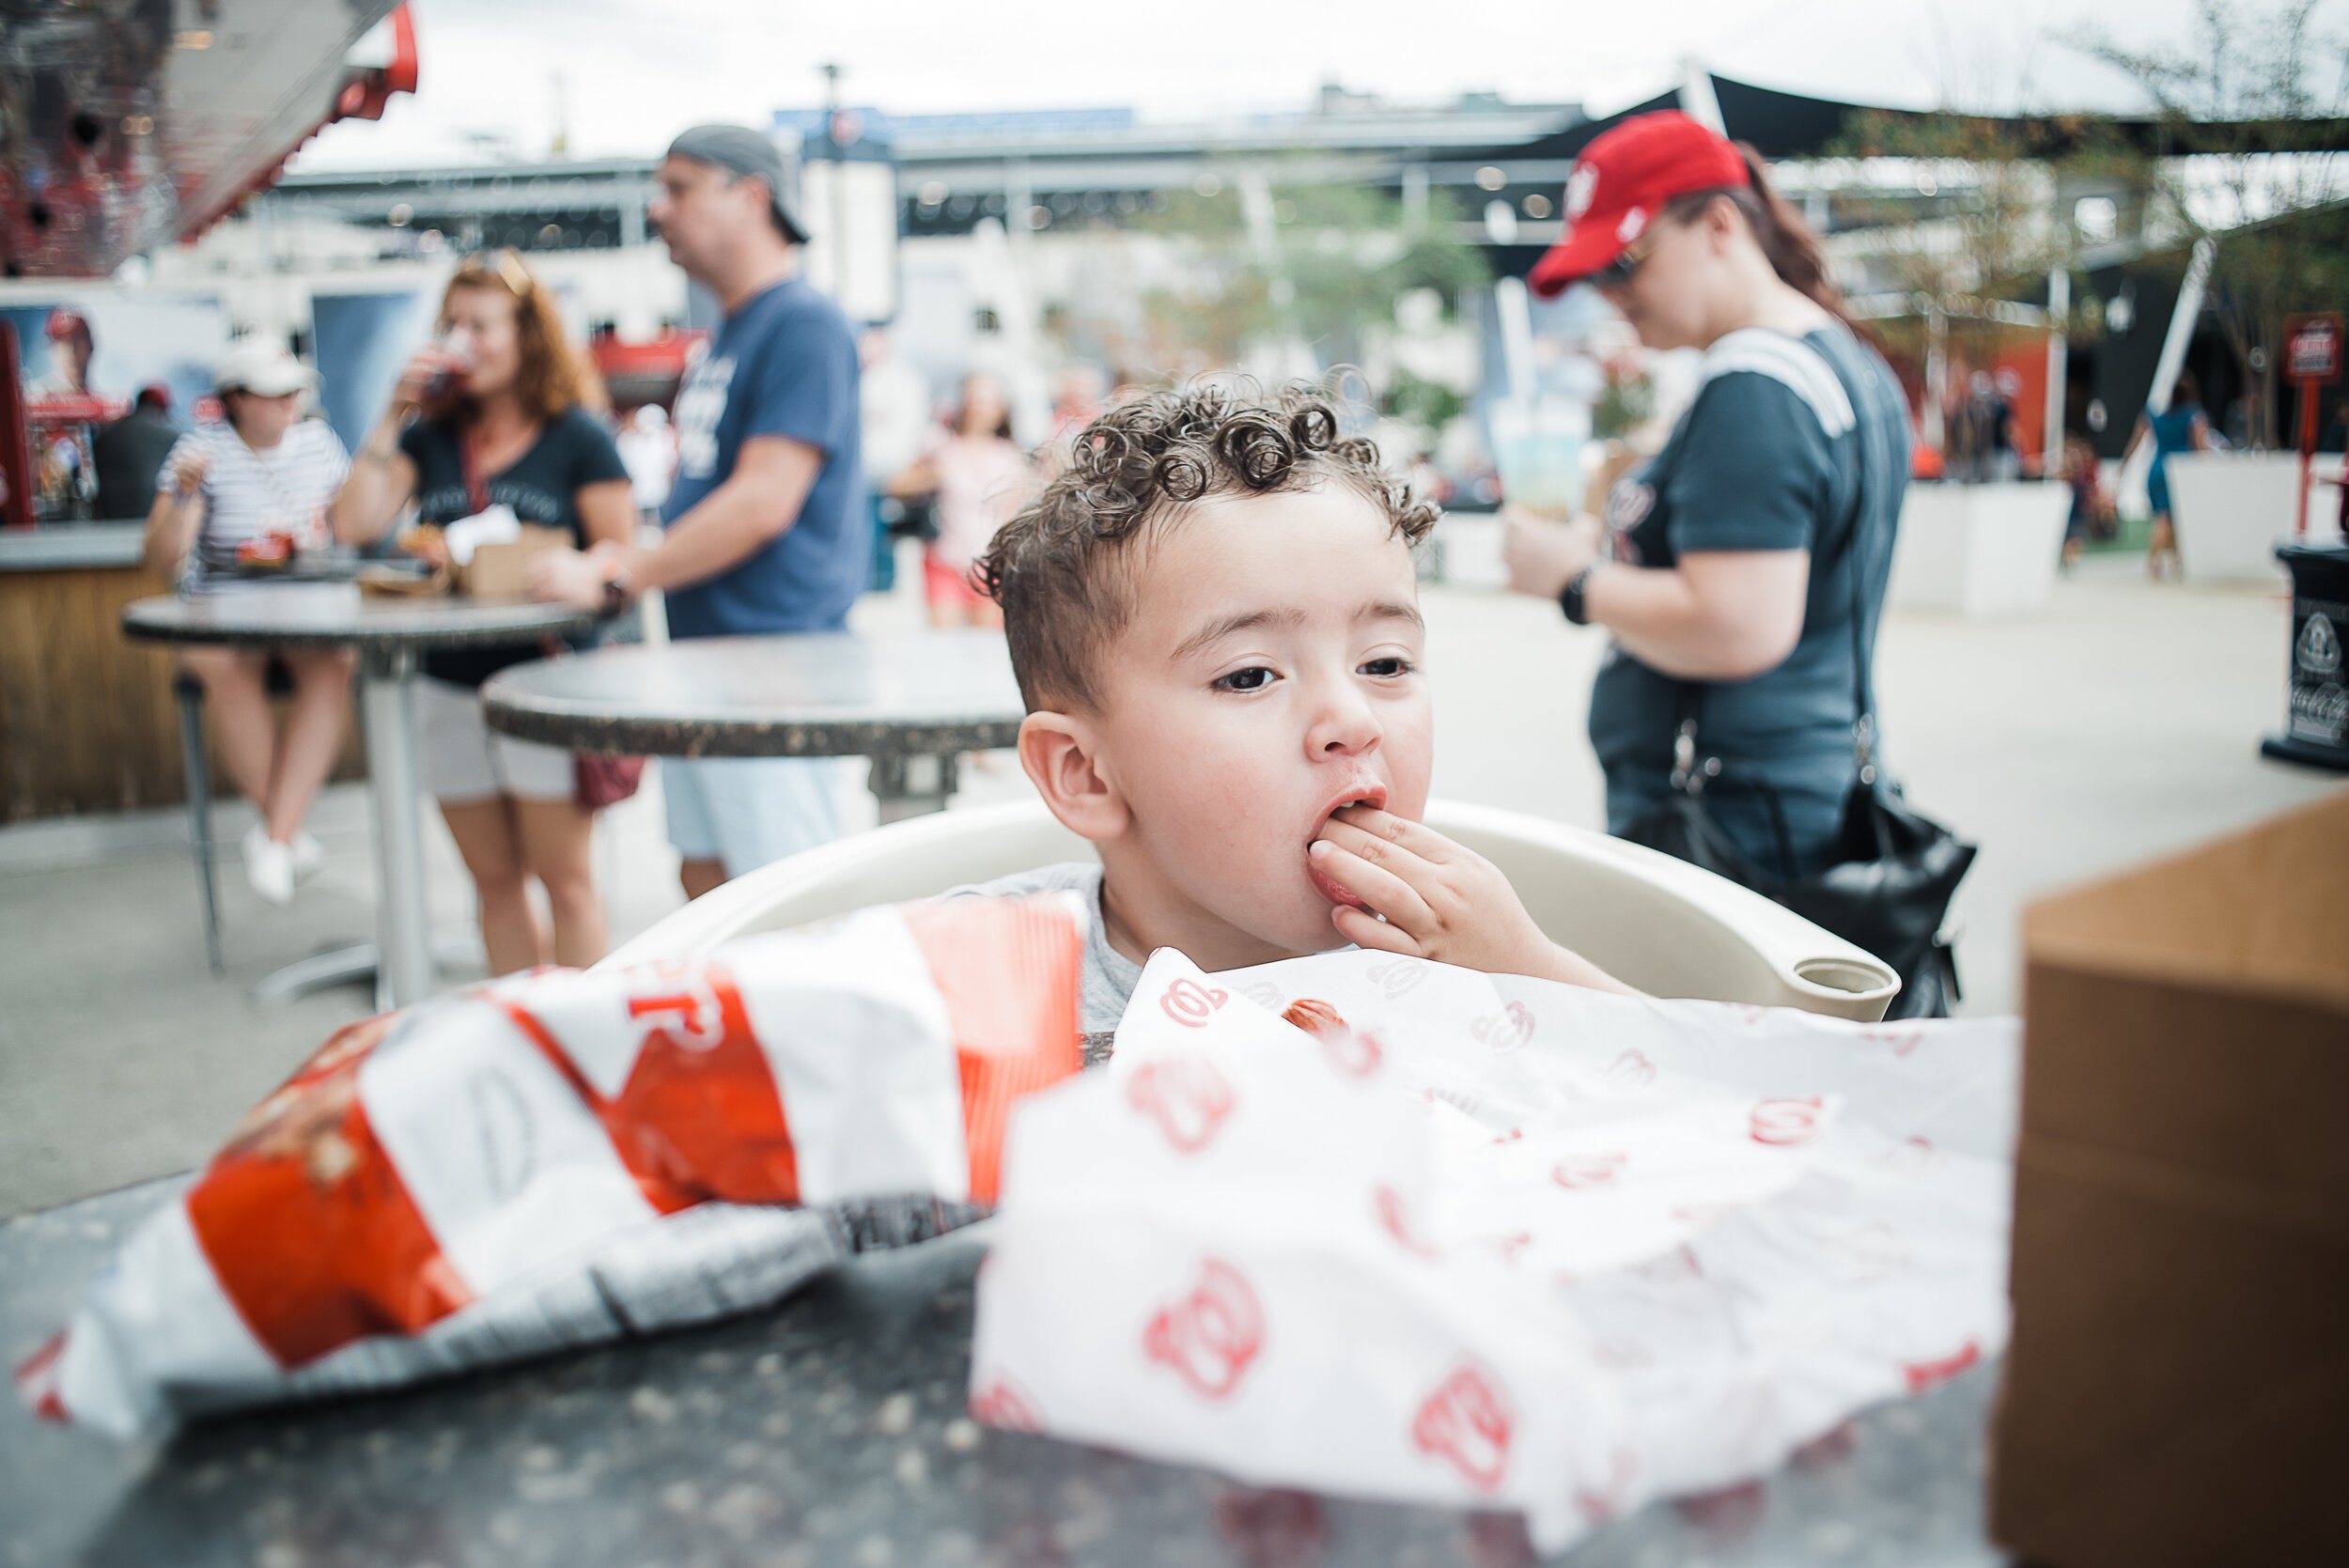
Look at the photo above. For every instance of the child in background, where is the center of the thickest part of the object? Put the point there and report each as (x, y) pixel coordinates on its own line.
(980, 477)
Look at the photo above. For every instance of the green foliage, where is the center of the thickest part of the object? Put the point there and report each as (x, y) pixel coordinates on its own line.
(1626, 403)
(1430, 405)
(1989, 233)
(2253, 83)
(1337, 257)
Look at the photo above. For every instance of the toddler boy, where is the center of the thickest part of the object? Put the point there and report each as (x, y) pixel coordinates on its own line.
(1213, 615)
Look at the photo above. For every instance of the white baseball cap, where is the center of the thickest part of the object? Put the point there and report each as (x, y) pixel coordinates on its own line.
(262, 368)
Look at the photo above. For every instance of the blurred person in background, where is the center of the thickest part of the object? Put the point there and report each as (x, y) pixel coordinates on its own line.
(71, 349)
(896, 419)
(980, 477)
(2182, 427)
(648, 451)
(492, 413)
(766, 530)
(1729, 568)
(2092, 514)
(129, 453)
(2006, 451)
(1077, 400)
(263, 477)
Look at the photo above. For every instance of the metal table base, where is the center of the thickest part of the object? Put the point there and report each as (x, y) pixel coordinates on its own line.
(355, 962)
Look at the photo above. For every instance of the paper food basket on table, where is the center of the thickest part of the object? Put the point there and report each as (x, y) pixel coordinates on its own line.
(563, 1157)
(1479, 1241)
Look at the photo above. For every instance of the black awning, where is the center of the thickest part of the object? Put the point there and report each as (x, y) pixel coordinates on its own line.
(1782, 124)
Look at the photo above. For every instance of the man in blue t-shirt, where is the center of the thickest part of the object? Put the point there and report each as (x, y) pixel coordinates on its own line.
(764, 530)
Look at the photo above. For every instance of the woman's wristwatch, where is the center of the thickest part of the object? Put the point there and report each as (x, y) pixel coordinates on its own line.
(1570, 597)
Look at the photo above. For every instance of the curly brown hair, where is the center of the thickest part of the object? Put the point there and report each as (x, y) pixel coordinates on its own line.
(1061, 568)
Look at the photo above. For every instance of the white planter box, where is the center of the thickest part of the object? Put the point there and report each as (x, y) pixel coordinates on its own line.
(1979, 550)
(1470, 547)
(2234, 508)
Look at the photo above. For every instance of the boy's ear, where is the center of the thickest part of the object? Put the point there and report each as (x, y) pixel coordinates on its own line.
(1058, 750)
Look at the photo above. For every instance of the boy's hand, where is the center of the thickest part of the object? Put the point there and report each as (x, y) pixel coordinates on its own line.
(1440, 901)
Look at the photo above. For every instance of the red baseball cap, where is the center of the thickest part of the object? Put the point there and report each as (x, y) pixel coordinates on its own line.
(64, 321)
(1620, 183)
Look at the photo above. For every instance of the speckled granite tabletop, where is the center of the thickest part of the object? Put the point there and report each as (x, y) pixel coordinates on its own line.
(304, 615)
(828, 1430)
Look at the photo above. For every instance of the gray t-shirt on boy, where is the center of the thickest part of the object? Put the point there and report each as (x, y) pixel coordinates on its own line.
(1107, 978)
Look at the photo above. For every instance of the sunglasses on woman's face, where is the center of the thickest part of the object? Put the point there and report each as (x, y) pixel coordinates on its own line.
(1619, 272)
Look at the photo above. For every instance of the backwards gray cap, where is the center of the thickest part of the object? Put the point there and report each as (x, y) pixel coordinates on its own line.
(746, 152)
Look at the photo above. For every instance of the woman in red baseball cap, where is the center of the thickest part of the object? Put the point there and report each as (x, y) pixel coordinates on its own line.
(1742, 570)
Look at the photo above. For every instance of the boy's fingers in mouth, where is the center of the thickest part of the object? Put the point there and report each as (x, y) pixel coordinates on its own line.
(1381, 890)
(1369, 931)
(1366, 842)
(1385, 827)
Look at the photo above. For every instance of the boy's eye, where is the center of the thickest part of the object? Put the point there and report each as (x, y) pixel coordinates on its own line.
(1387, 667)
(1255, 678)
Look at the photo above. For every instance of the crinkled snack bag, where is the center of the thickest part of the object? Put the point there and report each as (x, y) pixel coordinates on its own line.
(556, 1159)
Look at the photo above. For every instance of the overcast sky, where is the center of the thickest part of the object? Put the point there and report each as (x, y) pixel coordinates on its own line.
(635, 71)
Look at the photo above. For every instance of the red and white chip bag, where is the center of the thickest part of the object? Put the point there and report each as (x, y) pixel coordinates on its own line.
(556, 1159)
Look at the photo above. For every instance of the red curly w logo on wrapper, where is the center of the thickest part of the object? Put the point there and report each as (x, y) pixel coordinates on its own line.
(1190, 1004)
(1187, 1098)
(1004, 1405)
(1784, 1123)
(1467, 1424)
(1211, 1337)
(1922, 1375)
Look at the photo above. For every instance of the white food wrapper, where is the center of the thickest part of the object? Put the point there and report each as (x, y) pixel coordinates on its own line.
(493, 525)
(1493, 1242)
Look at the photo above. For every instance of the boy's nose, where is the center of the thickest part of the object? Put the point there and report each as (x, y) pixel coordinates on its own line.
(1346, 727)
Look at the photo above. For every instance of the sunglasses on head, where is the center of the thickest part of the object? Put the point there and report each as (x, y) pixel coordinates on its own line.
(1619, 272)
(504, 265)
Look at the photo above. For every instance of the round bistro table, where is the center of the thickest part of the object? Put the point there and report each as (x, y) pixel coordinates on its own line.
(912, 701)
(388, 634)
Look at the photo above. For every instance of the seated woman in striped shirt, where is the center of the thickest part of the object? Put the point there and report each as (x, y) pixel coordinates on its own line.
(264, 475)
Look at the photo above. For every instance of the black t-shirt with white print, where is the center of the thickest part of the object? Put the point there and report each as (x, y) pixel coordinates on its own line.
(541, 486)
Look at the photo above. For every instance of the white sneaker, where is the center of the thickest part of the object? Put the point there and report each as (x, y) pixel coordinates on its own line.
(269, 868)
(310, 857)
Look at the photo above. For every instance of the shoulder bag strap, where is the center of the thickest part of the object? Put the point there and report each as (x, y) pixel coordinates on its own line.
(1692, 768)
(1876, 477)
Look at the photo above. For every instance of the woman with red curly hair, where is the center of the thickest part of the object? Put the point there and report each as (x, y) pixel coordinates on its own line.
(493, 413)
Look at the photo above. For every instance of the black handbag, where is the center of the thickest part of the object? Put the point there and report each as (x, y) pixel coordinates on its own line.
(1894, 871)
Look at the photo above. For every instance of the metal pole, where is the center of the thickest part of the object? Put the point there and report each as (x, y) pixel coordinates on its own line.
(839, 185)
(2308, 457)
(914, 784)
(389, 722)
(1697, 97)
(2182, 322)
(1936, 378)
(2059, 368)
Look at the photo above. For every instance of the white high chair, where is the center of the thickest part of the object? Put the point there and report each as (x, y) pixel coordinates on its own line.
(1652, 921)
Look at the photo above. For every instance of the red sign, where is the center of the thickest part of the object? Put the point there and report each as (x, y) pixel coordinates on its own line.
(2312, 348)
